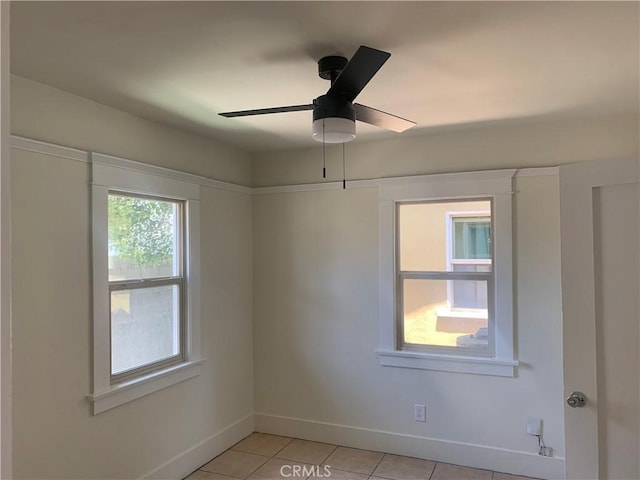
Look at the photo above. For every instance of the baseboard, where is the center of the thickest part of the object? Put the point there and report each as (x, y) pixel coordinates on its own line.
(479, 456)
(186, 462)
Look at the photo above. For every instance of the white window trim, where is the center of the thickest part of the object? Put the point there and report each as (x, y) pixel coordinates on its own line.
(497, 186)
(111, 173)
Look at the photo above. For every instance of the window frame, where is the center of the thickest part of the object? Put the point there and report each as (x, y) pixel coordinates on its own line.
(120, 176)
(494, 185)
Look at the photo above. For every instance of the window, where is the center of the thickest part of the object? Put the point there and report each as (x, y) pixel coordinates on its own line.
(468, 250)
(145, 280)
(446, 274)
(145, 284)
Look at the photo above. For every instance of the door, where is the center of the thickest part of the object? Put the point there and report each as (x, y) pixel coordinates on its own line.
(599, 231)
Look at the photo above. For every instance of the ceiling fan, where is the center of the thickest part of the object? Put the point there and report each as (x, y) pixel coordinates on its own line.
(335, 114)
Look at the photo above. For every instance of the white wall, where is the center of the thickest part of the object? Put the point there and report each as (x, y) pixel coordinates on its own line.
(45, 113)
(534, 142)
(316, 329)
(316, 298)
(55, 435)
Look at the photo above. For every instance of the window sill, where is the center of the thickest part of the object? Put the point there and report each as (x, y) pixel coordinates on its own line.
(125, 392)
(470, 313)
(448, 363)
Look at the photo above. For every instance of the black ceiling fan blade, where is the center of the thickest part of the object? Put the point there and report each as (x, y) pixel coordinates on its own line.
(364, 64)
(382, 119)
(264, 111)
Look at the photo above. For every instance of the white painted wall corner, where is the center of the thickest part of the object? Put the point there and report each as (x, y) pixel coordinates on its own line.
(194, 457)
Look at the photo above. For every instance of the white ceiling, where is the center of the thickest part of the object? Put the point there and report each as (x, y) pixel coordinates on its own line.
(452, 63)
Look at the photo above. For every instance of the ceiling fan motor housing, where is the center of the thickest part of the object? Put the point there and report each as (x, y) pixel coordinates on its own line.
(326, 106)
(330, 67)
(334, 120)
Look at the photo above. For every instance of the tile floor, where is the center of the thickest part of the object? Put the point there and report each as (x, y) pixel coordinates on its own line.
(261, 456)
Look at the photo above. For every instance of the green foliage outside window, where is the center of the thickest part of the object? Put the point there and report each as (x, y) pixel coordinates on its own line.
(141, 230)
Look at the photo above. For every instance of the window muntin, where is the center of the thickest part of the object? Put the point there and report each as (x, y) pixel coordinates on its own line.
(146, 284)
(445, 277)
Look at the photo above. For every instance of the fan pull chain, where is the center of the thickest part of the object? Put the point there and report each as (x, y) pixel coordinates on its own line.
(324, 156)
(344, 177)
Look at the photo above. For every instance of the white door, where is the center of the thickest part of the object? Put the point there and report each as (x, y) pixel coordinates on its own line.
(599, 231)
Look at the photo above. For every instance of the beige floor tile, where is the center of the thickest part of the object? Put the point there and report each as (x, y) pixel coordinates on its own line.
(404, 468)
(235, 464)
(339, 475)
(277, 469)
(250, 460)
(262, 444)
(444, 471)
(507, 476)
(202, 475)
(354, 460)
(307, 452)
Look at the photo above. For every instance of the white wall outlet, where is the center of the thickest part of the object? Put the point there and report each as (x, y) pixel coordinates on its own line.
(420, 413)
(534, 426)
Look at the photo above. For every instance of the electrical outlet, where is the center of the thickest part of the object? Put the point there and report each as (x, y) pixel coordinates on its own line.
(420, 413)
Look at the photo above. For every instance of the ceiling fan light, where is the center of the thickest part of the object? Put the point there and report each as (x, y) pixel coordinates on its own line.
(336, 130)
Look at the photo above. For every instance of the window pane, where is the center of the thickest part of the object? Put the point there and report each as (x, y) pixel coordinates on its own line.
(430, 318)
(145, 326)
(143, 240)
(430, 234)
(472, 237)
(468, 294)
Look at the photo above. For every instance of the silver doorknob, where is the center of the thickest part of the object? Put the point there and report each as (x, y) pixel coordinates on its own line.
(576, 399)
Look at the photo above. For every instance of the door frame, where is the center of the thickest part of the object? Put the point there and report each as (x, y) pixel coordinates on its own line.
(577, 184)
(6, 425)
